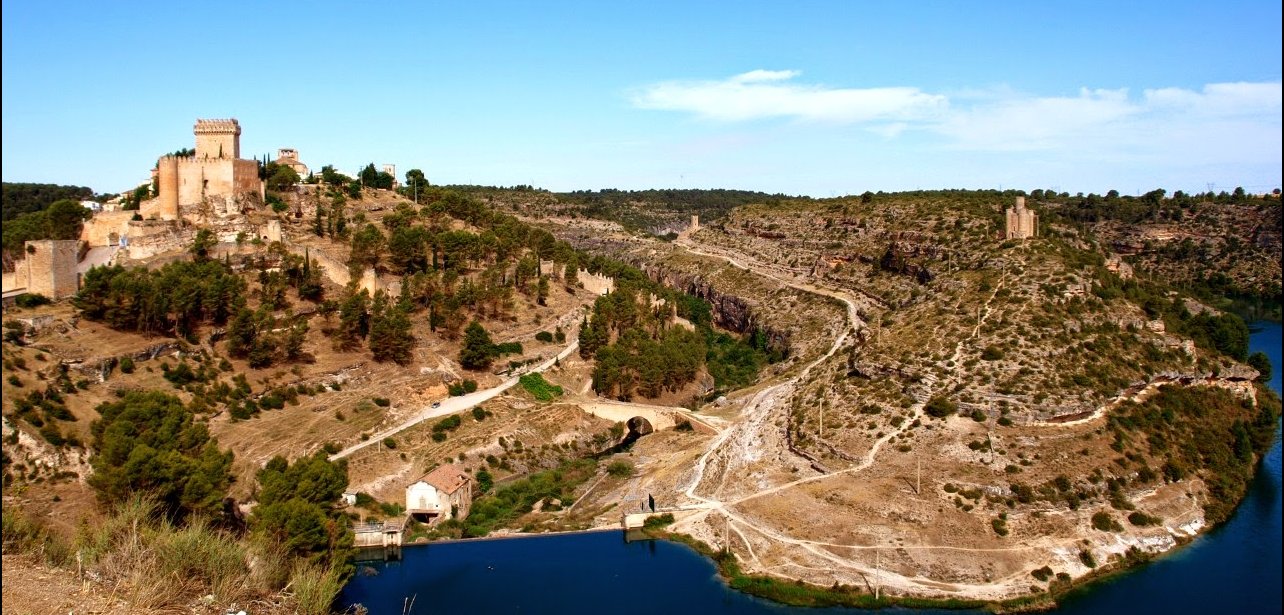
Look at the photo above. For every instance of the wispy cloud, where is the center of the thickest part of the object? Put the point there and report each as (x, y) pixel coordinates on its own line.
(763, 94)
(995, 119)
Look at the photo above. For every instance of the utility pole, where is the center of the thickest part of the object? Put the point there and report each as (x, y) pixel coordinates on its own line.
(918, 475)
(726, 534)
(878, 571)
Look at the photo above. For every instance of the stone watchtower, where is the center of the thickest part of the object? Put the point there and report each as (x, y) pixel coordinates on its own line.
(1021, 223)
(49, 268)
(218, 139)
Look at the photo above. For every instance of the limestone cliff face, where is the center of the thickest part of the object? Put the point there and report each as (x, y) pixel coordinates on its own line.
(729, 311)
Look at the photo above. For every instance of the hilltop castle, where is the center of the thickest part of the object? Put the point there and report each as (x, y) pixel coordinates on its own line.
(1022, 223)
(215, 176)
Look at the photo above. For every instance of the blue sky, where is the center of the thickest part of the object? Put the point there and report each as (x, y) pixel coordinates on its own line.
(812, 97)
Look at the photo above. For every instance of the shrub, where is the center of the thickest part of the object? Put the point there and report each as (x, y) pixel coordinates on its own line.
(1086, 557)
(541, 389)
(657, 522)
(1142, 519)
(940, 407)
(382, 402)
(620, 469)
(479, 413)
(991, 353)
(127, 365)
(1106, 523)
(470, 386)
(1042, 574)
(978, 416)
(544, 336)
(390, 443)
(30, 300)
(1000, 526)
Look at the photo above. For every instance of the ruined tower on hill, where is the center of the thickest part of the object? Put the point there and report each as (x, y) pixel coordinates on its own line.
(214, 180)
(1022, 223)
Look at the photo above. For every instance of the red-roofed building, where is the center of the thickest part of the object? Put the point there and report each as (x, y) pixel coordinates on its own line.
(444, 493)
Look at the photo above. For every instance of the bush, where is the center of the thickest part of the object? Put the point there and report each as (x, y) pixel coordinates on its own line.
(1106, 523)
(620, 469)
(382, 402)
(1141, 519)
(541, 389)
(657, 522)
(127, 365)
(30, 300)
(940, 407)
(390, 443)
(1042, 574)
(479, 413)
(991, 353)
(544, 336)
(470, 386)
(1000, 526)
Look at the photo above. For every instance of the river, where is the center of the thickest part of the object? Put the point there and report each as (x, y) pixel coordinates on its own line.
(1233, 569)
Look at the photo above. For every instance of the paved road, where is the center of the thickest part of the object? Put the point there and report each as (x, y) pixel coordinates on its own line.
(452, 405)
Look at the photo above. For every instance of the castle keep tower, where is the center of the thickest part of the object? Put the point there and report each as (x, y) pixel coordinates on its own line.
(214, 181)
(1022, 223)
(218, 139)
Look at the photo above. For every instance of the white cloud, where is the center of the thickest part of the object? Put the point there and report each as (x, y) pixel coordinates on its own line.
(763, 94)
(765, 75)
(993, 119)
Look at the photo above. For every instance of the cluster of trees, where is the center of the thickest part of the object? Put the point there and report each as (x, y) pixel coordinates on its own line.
(62, 219)
(181, 296)
(1224, 332)
(1204, 430)
(622, 205)
(23, 198)
(296, 507)
(172, 300)
(478, 351)
(278, 177)
(148, 443)
(638, 352)
(384, 323)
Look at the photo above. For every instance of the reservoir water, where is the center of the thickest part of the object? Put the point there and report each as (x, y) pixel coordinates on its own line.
(1233, 569)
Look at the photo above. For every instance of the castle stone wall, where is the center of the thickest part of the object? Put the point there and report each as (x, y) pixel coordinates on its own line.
(106, 228)
(50, 267)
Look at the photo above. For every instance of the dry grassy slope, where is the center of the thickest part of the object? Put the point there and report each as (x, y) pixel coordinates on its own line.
(332, 416)
(1000, 328)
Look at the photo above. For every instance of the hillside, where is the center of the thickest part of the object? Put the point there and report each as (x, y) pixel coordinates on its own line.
(830, 387)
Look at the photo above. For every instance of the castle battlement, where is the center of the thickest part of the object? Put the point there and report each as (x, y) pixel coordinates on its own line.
(217, 126)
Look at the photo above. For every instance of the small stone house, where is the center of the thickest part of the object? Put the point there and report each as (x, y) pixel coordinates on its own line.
(442, 494)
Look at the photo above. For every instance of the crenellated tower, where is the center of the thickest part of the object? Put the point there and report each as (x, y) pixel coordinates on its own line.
(220, 139)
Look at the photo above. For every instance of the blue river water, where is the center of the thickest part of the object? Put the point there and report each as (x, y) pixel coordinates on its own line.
(1235, 568)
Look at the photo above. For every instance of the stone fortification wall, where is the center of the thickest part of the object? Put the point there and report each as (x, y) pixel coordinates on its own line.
(106, 228)
(595, 283)
(331, 267)
(219, 181)
(49, 268)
